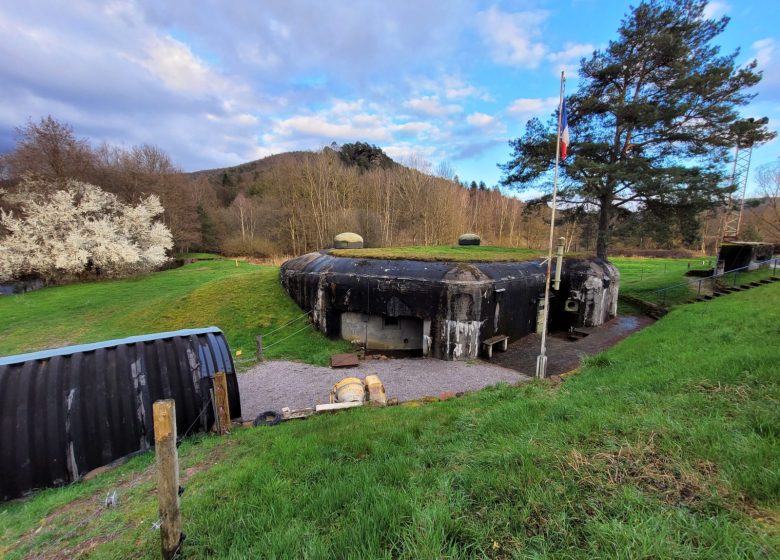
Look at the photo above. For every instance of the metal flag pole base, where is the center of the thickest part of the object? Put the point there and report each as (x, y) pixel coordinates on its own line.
(541, 366)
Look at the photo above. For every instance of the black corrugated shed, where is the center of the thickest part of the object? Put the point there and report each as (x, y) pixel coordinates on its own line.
(66, 411)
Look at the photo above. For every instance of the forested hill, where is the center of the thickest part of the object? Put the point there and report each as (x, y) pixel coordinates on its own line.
(254, 173)
(251, 170)
(295, 202)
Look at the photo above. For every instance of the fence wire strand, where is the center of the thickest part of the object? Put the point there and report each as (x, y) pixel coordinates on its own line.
(290, 322)
(288, 336)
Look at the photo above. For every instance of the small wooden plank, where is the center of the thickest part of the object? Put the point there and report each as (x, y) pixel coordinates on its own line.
(343, 360)
(336, 406)
(297, 413)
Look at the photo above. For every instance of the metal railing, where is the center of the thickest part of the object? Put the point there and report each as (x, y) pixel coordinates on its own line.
(676, 293)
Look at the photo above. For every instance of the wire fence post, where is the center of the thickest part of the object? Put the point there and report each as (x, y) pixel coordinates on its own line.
(223, 406)
(259, 346)
(164, 415)
(698, 293)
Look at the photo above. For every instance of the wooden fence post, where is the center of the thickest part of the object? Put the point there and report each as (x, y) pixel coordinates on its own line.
(164, 414)
(259, 345)
(223, 406)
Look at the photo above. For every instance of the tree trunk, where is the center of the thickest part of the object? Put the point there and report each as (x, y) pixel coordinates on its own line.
(602, 237)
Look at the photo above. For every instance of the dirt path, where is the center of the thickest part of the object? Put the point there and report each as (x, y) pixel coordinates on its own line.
(276, 384)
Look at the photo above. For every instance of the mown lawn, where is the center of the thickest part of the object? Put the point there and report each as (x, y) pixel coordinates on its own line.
(243, 300)
(665, 446)
(641, 275)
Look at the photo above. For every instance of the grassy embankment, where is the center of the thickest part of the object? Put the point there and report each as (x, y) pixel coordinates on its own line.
(243, 300)
(665, 446)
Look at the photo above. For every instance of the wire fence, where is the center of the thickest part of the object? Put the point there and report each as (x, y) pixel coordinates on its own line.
(281, 328)
(730, 280)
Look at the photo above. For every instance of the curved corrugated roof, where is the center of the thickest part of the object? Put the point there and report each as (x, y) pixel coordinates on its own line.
(46, 354)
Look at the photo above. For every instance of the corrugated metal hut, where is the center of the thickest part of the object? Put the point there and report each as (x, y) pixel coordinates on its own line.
(66, 411)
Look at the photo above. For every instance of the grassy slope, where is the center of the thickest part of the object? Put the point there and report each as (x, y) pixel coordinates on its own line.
(639, 275)
(665, 446)
(243, 301)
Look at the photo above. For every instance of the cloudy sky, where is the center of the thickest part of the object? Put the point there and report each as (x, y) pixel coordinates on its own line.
(220, 83)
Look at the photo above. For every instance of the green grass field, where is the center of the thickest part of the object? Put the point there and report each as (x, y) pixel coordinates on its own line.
(243, 300)
(645, 277)
(665, 446)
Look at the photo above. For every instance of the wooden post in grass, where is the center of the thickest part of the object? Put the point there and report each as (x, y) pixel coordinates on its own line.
(164, 414)
(223, 406)
(259, 345)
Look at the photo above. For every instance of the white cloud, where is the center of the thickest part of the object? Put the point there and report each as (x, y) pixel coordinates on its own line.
(408, 152)
(513, 36)
(180, 70)
(764, 48)
(572, 51)
(480, 120)
(344, 107)
(532, 106)
(765, 53)
(414, 127)
(715, 9)
(456, 88)
(243, 119)
(432, 106)
(320, 127)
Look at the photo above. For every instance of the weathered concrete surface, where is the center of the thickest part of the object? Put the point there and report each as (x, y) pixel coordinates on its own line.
(564, 355)
(275, 384)
(460, 304)
(382, 333)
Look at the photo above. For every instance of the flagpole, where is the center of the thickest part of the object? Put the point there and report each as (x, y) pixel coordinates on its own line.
(541, 360)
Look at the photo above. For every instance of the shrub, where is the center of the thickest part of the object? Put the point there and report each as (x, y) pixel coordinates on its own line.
(258, 247)
(77, 230)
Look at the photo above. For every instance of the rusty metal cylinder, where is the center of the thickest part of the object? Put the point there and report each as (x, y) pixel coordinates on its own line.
(349, 389)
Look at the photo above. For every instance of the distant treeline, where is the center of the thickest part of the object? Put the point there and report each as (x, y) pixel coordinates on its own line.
(296, 202)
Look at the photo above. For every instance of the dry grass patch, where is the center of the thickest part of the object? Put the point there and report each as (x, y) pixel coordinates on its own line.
(644, 466)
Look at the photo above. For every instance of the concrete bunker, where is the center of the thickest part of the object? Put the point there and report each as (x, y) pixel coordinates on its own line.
(744, 254)
(444, 309)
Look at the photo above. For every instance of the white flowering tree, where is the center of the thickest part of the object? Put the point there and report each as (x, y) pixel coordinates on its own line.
(79, 230)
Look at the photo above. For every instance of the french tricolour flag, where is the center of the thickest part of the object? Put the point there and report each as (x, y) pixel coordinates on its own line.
(564, 132)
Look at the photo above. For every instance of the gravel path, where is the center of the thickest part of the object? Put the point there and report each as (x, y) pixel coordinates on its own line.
(275, 384)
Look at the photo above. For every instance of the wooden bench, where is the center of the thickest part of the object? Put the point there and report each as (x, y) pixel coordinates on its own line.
(488, 344)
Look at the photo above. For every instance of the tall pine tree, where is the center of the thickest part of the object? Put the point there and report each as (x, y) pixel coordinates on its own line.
(652, 122)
